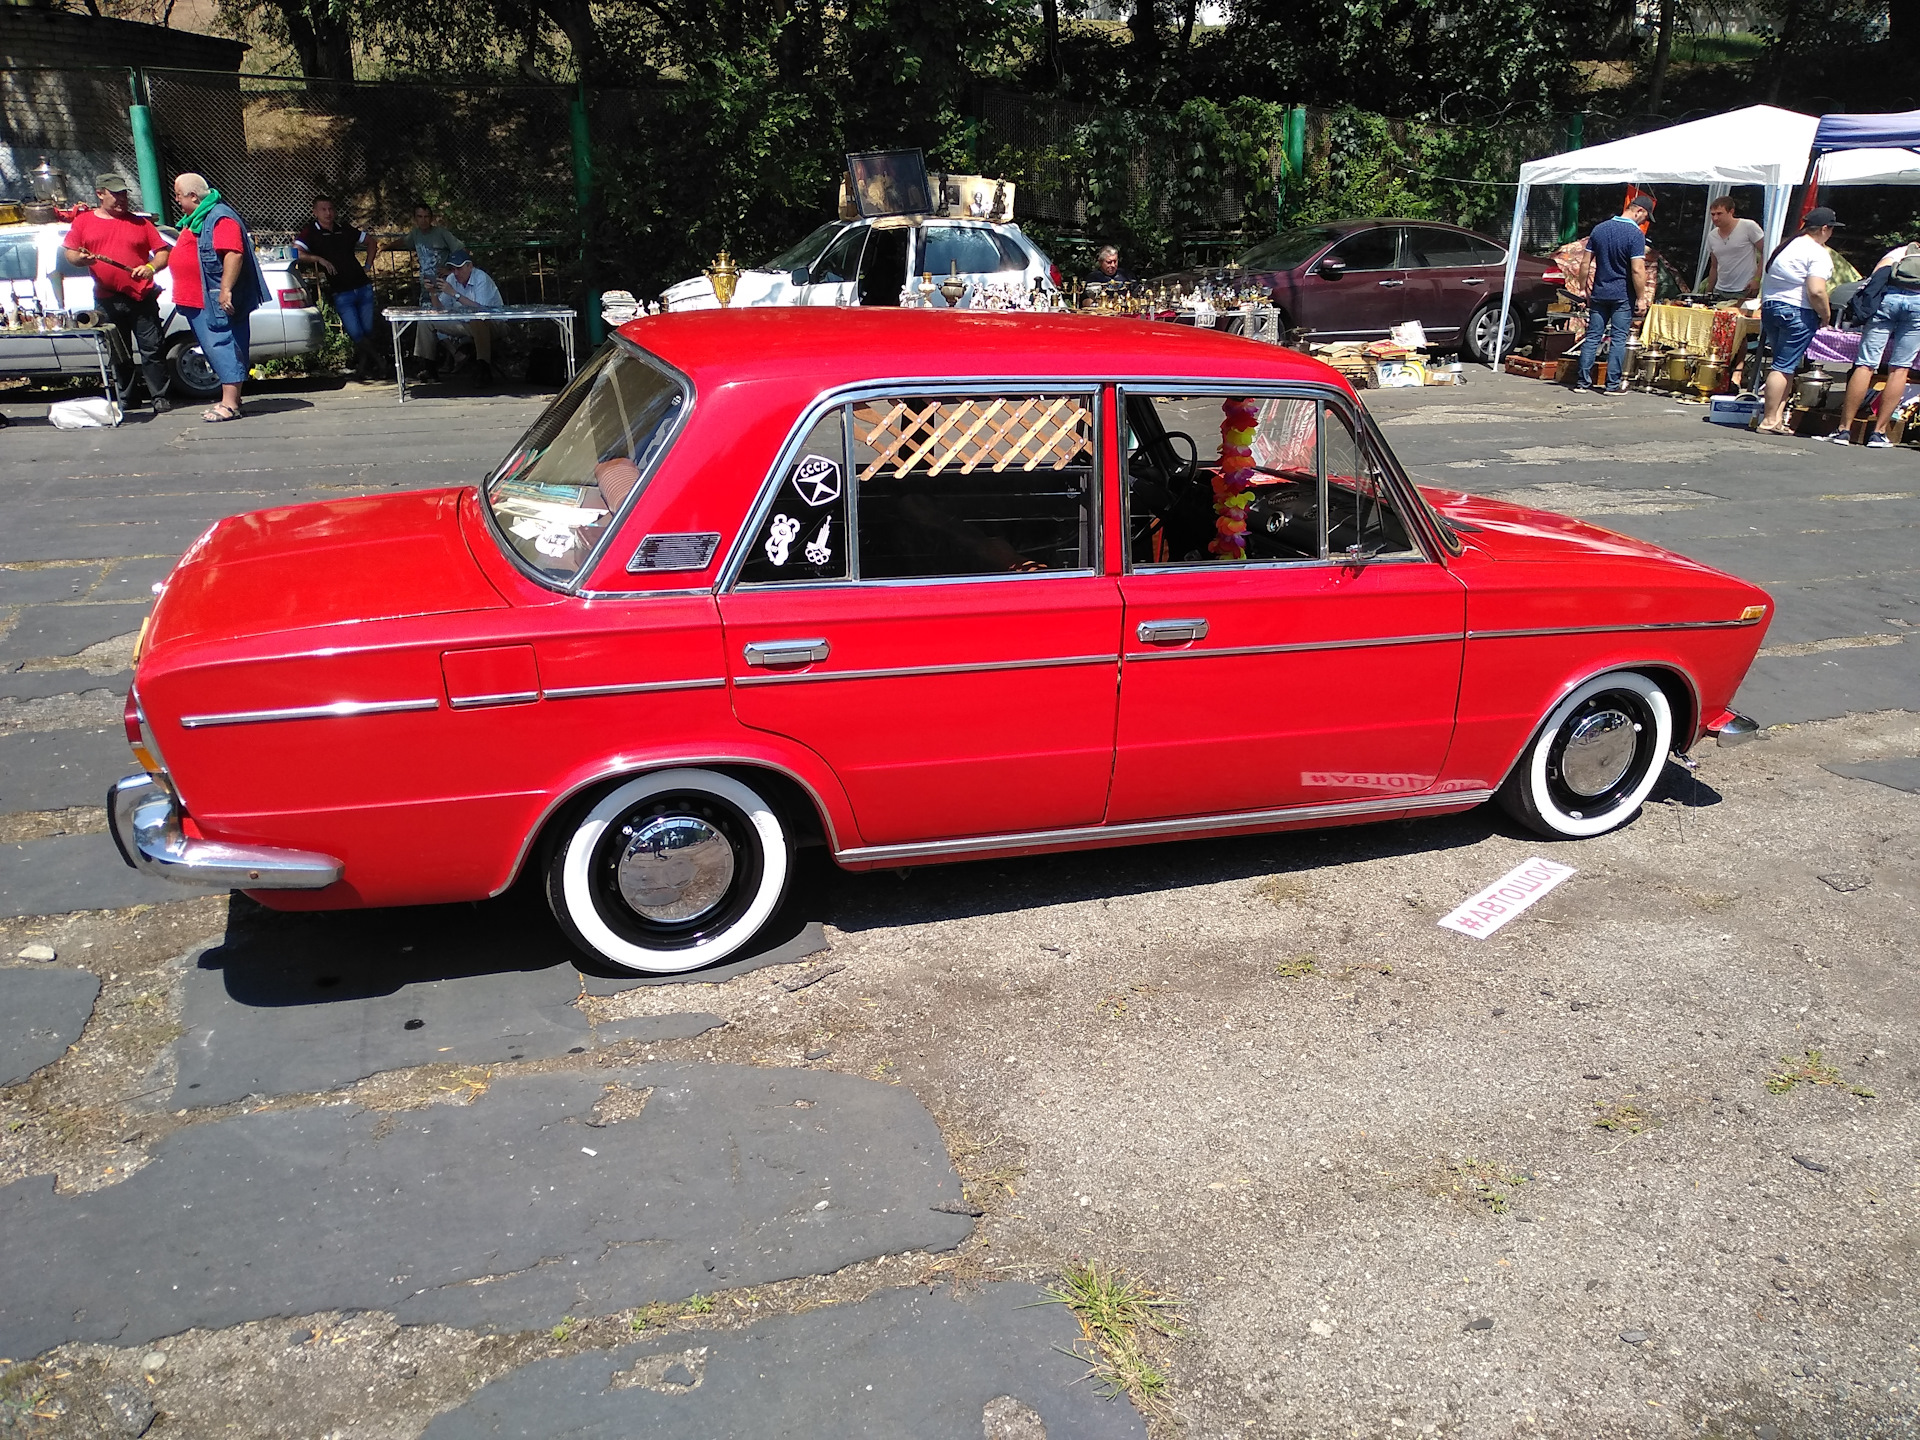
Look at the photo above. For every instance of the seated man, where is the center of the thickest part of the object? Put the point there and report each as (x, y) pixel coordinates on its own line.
(463, 287)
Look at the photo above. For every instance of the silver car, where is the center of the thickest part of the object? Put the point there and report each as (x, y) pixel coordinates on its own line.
(33, 269)
(868, 262)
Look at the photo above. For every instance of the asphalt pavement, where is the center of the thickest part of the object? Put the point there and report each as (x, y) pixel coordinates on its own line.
(1639, 1165)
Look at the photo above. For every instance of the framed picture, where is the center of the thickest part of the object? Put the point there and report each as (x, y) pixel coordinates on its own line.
(889, 182)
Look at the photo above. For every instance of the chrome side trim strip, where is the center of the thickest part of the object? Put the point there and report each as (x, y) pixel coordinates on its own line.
(339, 709)
(1610, 629)
(505, 697)
(1162, 829)
(1133, 656)
(642, 687)
(904, 671)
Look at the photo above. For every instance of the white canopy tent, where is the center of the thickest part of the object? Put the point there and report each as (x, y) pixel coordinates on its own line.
(1760, 145)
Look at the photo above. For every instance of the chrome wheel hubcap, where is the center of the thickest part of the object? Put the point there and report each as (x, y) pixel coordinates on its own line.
(1598, 752)
(674, 868)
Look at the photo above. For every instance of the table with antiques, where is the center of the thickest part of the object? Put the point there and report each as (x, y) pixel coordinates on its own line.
(1690, 347)
(404, 317)
(60, 347)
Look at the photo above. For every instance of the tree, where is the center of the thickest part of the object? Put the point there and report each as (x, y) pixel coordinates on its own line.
(1662, 52)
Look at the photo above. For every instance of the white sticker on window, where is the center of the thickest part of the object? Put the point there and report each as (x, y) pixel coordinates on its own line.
(817, 480)
(818, 552)
(780, 539)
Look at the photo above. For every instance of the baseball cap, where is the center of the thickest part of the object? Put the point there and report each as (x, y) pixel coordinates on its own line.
(110, 182)
(1818, 216)
(459, 258)
(1646, 200)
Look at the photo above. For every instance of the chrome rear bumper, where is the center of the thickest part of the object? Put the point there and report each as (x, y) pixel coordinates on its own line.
(1734, 729)
(145, 817)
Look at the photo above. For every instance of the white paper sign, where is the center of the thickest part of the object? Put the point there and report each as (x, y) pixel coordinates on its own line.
(1507, 897)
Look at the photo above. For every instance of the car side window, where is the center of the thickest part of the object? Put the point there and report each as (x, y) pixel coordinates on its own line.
(841, 262)
(966, 249)
(949, 486)
(1218, 479)
(1431, 248)
(1370, 249)
(18, 255)
(1012, 257)
(803, 537)
(1361, 514)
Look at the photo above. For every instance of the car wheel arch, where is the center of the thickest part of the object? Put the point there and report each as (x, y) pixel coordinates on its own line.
(1673, 678)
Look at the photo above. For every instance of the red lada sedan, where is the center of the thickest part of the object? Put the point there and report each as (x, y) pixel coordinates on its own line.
(914, 586)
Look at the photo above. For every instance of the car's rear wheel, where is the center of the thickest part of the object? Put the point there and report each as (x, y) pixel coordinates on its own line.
(1594, 760)
(1478, 336)
(190, 372)
(670, 871)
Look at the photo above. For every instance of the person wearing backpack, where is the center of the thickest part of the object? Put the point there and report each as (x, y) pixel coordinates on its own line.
(1892, 335)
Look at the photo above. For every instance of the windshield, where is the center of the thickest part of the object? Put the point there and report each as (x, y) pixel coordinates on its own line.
(801, 256)
(557, 491)
(1286, 250)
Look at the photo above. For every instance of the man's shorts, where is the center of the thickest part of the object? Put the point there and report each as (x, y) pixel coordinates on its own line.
(1787, 330)
(1893, 334)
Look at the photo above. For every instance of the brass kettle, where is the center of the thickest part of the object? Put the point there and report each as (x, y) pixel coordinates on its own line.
(724, 276)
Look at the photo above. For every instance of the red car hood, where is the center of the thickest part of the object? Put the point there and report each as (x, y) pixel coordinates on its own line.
(333, 563)
(1514, 532)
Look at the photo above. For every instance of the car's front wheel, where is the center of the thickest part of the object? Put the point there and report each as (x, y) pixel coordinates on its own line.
(1481, 329)
(190, 372)
(1595, 760)
(670, 871)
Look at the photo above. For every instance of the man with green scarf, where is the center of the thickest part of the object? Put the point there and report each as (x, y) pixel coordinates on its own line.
(217, 285)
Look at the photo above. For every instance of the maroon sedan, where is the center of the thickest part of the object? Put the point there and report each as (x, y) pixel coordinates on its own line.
(1354, 279)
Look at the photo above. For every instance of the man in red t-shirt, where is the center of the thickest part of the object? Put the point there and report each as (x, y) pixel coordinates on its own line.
(123, 250)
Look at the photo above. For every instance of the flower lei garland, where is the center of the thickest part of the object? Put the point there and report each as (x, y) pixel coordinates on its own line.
(1231, 481)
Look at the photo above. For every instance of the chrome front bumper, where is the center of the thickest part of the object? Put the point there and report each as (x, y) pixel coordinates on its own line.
(145, 817)
(1736, 729)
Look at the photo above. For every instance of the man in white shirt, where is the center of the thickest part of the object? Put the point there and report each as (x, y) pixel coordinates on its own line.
(1733, 253)
(464, 287)
(1793, 306)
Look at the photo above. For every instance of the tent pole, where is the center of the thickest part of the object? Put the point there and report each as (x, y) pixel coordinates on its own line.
(1714, 192)
(1514, 237)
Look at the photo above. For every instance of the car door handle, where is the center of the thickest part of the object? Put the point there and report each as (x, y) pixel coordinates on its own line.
(1393, 282)
(785, 652)
(1170, 632)
(1470, 280)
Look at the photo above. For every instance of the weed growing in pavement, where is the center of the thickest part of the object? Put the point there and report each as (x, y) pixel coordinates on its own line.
(1297, 967)
(1118, 1315)
(983, 1179)
(698, 1304)
(1630, 1119)
(1484, 1182)
(1811, 1070)
(1280, 889)
(564, 1328)
(658, 1313)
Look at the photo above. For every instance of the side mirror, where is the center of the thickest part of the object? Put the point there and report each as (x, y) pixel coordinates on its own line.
(799, 276)
(1333, 267)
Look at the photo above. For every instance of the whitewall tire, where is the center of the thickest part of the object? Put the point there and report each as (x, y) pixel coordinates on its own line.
(1595, 759)
(670, 871)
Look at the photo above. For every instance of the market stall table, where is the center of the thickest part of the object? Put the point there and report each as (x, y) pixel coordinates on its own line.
(1690, 328)
(62, 351)
(405, 317)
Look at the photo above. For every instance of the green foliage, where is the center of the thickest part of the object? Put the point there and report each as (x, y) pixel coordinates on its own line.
(1362, 172)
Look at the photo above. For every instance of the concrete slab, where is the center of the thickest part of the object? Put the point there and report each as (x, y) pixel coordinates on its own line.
(902, 1363)
(39, 684)
(64, 873)
(69, 629)
(508, 1212)
(289, 1004)
(42, 586)
(55, 769)
(1899, 773)
(43, 1009)
(1831, 683)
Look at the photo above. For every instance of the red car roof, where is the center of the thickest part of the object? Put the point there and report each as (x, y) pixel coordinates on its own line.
(831, 347)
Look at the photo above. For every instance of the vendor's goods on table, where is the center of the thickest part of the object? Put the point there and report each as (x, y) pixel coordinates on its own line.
(1391, 364)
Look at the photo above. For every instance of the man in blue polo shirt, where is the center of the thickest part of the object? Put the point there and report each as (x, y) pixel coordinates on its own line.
(1622, 289)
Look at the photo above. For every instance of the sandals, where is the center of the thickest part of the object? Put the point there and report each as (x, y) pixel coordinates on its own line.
(217, 414)
(1773, 430)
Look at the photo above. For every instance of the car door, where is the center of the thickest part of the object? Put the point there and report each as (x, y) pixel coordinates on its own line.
(883, 265)
(1450, 274)
(835, 277)
(1362, 293)
(956, 665)
(1310, 672)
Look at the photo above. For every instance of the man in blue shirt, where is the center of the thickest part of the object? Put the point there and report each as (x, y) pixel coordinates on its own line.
(1622, 289)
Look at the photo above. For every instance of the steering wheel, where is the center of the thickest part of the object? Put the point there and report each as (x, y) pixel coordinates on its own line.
(1161, 464)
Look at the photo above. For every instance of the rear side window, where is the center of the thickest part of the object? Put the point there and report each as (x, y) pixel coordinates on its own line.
(961, 249)
(1012, 257)
(842, 260)
(803, 538)
(1436, 249)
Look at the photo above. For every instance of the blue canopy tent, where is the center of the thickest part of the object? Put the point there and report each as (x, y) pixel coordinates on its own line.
(1867, 150)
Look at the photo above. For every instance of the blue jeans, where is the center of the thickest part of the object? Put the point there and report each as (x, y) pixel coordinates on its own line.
(1893, 334)
(1787, 331)
(221, 341)
(356, 312)
(1612, 318)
